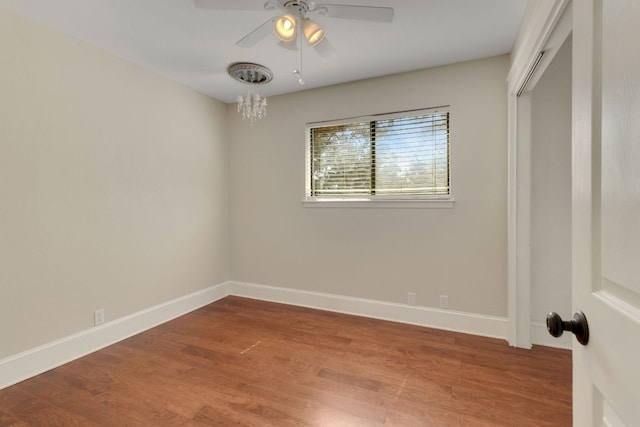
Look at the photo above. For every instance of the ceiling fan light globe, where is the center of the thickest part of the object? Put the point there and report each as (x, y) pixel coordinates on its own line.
(312, 32)
(285, 27)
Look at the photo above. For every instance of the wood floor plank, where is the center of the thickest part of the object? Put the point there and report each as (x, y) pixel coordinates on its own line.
(253, 363)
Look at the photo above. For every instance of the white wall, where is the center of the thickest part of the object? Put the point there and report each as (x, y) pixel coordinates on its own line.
(551, 189)
(113, 187)
(378, 254)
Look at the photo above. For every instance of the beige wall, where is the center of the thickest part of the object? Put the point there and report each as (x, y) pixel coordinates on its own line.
(378, 253)
(551, 189)
(117, 191)
(113, 187)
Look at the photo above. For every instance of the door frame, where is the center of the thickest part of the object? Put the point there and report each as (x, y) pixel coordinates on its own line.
(544, 30)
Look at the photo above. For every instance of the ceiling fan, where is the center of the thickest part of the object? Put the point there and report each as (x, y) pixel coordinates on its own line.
(293, 19)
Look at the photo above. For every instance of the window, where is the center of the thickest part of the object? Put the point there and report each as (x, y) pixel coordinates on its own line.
(400, 156)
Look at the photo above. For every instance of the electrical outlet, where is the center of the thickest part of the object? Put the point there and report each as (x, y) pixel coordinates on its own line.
(411, 298)
(444, 301)
(98, 317)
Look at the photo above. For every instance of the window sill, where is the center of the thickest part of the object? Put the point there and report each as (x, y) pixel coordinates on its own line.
(380, 203)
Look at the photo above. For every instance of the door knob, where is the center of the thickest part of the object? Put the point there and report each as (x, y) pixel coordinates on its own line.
(578, 326)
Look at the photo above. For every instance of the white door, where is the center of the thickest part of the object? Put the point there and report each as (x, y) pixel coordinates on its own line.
(606, 210)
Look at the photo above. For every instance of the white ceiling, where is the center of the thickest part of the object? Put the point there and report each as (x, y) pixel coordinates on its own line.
(195, 46)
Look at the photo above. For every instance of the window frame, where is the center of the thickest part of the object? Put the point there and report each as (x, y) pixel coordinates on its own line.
(375, 200)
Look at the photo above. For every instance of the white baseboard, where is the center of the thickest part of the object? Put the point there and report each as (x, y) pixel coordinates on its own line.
(540, 336)
(488, 326)
(21, 366)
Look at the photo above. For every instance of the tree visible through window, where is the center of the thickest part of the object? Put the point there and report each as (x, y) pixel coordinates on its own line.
(392, 155)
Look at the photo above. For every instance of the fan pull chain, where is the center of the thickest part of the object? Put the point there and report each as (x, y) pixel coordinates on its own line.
(298, 71)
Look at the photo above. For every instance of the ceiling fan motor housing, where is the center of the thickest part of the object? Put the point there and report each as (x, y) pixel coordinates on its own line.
(297, 7)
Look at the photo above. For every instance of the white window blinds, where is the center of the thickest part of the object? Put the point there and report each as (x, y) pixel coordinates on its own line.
(403, 154)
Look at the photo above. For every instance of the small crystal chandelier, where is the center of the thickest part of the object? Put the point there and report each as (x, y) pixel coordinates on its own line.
(253, 106)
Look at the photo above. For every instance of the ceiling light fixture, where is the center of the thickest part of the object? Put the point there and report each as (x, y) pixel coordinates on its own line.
(253, 106)
(285, 27)
(295, 23)
(312, 32)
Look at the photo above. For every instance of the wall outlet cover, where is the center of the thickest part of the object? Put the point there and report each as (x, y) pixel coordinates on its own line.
(411, 298)
(444, 301)
(98, 317)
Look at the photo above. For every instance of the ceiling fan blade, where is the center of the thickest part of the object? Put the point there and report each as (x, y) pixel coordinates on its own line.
(228, 4)
(290, 45)
(325, 50)
(362, 13)
(256, 35)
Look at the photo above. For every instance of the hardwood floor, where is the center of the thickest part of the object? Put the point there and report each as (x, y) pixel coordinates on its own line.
(246, 362)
